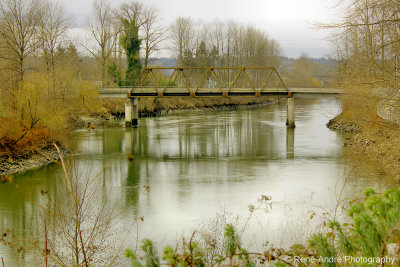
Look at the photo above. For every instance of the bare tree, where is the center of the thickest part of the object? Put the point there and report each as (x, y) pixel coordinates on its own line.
(18, 26)
(103, 34)
(152, 33)
(367, 41)
(53, 24)
(215, 37)
(133, 11)
(182, 36)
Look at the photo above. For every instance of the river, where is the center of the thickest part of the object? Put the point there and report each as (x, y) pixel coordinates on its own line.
(198, 169)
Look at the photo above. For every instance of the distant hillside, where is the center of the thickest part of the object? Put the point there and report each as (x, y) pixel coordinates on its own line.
(322, 60)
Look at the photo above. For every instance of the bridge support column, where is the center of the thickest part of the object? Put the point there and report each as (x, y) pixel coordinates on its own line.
(131, 112)
(290, 113)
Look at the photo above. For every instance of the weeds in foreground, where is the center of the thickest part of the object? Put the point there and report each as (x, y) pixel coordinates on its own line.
(77, 222)
(374, 234)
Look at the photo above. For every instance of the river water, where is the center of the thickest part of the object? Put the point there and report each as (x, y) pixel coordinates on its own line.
(196, 170)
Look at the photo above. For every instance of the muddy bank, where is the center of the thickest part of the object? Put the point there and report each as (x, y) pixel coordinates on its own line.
(84, 120)
(16, 162)
(9, 165)
(342, 125)
(377, 140)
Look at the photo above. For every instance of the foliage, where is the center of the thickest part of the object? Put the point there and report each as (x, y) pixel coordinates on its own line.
(376, 223)
(41, 114)
(34, 120)
(191, 254)
(68, 64)
(323, 247)
(232, 241)
(88, 97)
(130, 254)
(131, 43)
(114, 74)
(152, 259)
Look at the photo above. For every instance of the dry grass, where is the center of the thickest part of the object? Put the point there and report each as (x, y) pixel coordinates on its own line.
(153, 106)
(41, 115)
(376, 140)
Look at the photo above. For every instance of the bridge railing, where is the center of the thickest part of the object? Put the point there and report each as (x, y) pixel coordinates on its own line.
(208, 80)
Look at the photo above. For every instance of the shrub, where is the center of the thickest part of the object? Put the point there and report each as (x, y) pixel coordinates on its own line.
(88, 97)
(375, 224)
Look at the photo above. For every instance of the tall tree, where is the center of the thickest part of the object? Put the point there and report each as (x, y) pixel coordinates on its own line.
(133, 11)
(152, 33)
(367, 40)
(68, 69)
(203, 59)
(103, 34)
(182, 35)
(131, 43)
(18, 26)
(53, 24)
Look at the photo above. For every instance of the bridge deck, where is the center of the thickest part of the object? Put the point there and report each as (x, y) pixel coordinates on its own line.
(121, 92)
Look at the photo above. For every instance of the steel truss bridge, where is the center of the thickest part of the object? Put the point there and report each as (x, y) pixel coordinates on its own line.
(209, 82)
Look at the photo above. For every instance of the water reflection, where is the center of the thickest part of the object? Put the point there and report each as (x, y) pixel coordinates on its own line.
(189, 167)
(290, 143)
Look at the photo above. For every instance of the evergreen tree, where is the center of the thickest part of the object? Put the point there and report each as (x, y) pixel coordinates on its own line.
(202, 59)
(213, 56)
(187, 60)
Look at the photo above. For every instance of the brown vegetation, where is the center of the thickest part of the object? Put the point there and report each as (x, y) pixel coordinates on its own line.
(370, 140)
(42, 117)
(40, 86)
(367, 42)
(17, 140)
(156, 106)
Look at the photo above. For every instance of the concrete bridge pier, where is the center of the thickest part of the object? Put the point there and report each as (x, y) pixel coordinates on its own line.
(131, 112)
(290, 113)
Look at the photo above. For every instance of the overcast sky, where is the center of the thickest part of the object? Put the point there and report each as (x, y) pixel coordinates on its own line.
(287, 21)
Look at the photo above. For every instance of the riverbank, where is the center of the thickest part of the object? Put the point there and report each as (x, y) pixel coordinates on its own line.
(370, 140)
(31, 161)
(148, 107)
(152, 107)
